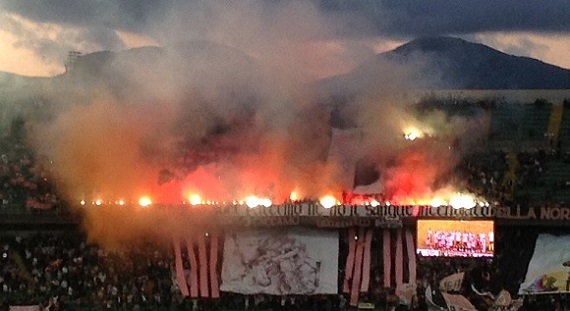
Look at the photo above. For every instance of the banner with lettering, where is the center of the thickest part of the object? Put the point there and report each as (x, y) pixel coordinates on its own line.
(286, 261)
(549, 267)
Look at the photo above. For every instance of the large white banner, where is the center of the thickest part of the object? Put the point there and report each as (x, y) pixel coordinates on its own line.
(287, 261)
(549, 267)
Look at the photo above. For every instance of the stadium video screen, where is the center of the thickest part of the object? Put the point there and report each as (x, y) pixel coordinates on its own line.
(455, 238)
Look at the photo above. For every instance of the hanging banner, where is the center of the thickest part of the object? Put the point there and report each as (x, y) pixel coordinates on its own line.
(549, 267)
(286, 261)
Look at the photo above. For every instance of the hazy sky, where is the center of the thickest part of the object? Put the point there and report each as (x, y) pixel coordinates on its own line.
(36, 35)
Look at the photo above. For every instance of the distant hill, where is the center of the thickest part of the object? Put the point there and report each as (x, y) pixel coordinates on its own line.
(453, 63)
(467, 65)
(188, 63)
(426, 63)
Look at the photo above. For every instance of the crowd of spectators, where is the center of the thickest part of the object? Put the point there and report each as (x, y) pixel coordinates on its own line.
(509, 177)
(63, 272)
(484, 173)
(25, 182)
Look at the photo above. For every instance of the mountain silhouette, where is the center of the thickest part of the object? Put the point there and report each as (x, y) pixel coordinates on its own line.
(451, 63)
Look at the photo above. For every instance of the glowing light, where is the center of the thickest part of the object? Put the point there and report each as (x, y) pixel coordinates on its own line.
(374, 203)
(98, 202)
(462, 201)
(387, 203)
(121, 202)
(328, 201)
(195, 199)
(145, 201)
(437, 202)
(412, 133)
(266, 202)
(251, 201)
(82, 202)
(294, 196)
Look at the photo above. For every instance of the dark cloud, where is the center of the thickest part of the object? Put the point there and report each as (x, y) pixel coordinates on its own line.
(410, 18)
(130, 15)
(398, 18)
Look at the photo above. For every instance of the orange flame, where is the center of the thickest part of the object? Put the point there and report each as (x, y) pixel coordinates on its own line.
(145, 201)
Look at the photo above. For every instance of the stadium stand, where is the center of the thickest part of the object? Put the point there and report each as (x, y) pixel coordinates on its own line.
(63, 271)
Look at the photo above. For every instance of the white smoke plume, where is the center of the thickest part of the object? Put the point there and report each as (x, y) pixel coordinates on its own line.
(225, 109)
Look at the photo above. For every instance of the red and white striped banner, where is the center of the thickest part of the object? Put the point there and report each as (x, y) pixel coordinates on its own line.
(398, 260)
(357, 274)
(366, 262)
(357, 270)
(399, 268)
(203, 262)
(180, 276)
(411, 251)
(387, 257)
(204, 272)
(349, 260)
(399, 272)
(193, 268)
(214, 281)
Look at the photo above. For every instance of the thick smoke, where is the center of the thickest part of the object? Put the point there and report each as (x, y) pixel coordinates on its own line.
(415, 151)
(227, 109)
(223, 110)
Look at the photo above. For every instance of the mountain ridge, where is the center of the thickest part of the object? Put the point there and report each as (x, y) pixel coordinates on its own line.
(468, 65)
(453, 63)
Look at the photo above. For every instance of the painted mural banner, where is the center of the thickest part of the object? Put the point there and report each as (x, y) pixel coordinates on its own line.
(549, 267)
(289, 261)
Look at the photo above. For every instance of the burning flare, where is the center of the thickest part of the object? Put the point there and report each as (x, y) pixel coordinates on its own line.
(294, 196)
(253, 201)
(462, 201)
(195, 199)
(328, 201)
(412, 133)
(145, 201)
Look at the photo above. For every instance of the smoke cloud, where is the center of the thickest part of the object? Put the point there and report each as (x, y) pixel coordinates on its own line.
(226, 109)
